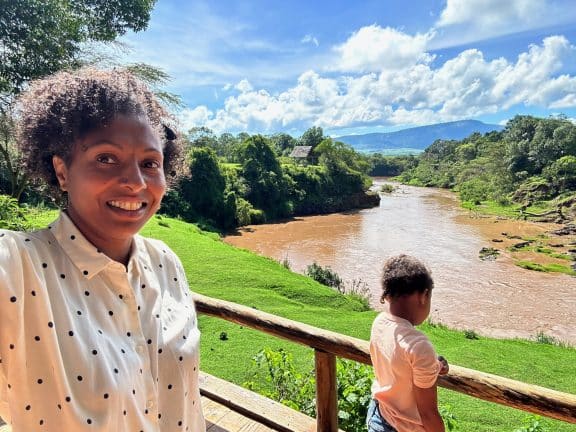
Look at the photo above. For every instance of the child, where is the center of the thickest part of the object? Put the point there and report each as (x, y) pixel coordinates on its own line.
(97, 325)
(405, 364)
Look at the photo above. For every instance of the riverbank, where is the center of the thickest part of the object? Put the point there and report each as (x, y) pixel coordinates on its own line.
(218, 270)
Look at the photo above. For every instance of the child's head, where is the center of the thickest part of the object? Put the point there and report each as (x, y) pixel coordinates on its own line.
(57, 112)
(404, 275)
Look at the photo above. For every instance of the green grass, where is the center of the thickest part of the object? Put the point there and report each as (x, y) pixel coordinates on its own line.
(219, 270)
(548, 268)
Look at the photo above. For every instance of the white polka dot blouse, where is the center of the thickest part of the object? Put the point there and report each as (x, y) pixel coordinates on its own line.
(87, 344)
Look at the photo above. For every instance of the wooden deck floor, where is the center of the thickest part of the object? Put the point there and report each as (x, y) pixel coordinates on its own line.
(222, 419)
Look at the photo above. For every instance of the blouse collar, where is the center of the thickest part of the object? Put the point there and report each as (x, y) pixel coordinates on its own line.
(83, 254)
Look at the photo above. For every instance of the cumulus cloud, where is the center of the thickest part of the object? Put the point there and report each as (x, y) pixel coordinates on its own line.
(467, 85)
(374, 48)
(244, 86)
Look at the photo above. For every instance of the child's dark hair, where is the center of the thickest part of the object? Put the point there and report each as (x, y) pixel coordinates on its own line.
(404, 275)
(58, 110)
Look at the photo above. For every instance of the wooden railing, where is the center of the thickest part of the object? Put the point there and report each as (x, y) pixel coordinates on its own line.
(329, 345)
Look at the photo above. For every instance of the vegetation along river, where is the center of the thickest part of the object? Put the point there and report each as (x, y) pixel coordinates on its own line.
(493, 297)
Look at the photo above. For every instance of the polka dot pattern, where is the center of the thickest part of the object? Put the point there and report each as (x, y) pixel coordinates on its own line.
(89, 340)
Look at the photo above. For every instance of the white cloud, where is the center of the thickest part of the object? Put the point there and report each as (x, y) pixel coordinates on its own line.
(198, 116)
(465, 86)
(491, 14)
(310, 39)
(374, 48)
(466, 21)
(244, 86)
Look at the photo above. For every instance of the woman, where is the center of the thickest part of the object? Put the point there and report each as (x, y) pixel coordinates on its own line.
(98, 329)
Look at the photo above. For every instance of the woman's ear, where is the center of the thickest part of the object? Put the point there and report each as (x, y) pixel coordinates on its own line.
(61, 171)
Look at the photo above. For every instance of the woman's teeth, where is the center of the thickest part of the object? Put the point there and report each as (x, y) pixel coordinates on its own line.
(127, 205)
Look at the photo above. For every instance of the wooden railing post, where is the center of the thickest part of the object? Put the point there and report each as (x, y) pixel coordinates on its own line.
(326, 392)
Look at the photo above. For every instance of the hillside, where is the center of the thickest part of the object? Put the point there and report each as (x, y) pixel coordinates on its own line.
(417, 138)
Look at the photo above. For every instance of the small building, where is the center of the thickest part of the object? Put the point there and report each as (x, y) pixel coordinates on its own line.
(301, 153)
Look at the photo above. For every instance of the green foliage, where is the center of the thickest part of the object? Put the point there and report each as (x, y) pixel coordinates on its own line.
(450, 420)
(267, 186)
(298, 390)
(40, 37)
(475, 190)
(550, 268)
(354, 382)
(12, 216)
(325, 276)
(285, 383)
(204, 190)
(471, 334)
(533, 159)
(390, 166)
(532, 423)
(387, 188)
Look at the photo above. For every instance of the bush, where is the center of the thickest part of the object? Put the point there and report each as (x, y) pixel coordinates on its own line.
(12, 216)
(532, 423)
(325, 276)
(298, 391)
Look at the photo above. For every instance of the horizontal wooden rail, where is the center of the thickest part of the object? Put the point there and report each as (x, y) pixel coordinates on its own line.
(493, 388)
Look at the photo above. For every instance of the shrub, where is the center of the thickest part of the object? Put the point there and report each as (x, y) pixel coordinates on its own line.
(298, 390)
(532, 423)
(471, 334)
(325, 276)
(12, 216)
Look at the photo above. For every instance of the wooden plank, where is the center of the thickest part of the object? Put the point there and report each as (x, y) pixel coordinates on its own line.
(481, 385)
(326, 392)
(272, 414)
(220, 418)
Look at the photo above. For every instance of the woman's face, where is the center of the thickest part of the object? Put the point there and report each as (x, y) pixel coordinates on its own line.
(115, 180)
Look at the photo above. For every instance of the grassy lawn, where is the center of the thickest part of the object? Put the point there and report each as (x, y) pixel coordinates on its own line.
(222, 271)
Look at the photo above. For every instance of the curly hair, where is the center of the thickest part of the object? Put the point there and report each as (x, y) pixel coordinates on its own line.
(57, 111)
(404, 275)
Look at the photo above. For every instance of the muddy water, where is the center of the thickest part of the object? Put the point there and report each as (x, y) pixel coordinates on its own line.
(493, 298)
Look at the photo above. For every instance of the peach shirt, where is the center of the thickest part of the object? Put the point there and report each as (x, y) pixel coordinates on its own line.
(403, 357)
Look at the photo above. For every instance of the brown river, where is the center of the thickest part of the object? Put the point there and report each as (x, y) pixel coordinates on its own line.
(494, 298)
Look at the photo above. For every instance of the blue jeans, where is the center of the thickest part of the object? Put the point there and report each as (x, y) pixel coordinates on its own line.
(375, 422)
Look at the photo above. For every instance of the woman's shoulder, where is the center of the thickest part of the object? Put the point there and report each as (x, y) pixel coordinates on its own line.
(15, 241)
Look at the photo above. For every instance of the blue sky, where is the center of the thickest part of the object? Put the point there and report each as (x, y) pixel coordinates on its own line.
(356, 67)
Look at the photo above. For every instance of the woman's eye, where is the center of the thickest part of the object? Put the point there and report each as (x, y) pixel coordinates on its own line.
(152, 164)
(106, 159)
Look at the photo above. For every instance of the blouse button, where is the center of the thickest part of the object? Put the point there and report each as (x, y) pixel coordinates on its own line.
(149, 404)
(140, 349)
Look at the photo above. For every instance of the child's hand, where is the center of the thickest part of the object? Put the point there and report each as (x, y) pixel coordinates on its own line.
(444, 366)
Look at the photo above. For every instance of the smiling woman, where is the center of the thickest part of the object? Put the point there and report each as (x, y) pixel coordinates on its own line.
(101, 317)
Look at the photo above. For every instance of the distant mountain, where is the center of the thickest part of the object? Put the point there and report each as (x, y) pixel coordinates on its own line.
(418, 138)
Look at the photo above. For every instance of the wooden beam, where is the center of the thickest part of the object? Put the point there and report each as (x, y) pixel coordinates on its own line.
(493, 388)
(326, 392)
(254, 406)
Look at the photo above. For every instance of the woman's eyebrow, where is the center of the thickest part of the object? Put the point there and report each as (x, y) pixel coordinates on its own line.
(105, 142)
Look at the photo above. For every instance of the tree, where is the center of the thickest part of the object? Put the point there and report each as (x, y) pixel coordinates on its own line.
(40, 37)
(267, 187)
(204, 189)
(283, 143)
(312, 137)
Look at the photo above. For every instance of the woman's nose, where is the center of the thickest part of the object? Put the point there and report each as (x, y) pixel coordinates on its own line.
(132, 177)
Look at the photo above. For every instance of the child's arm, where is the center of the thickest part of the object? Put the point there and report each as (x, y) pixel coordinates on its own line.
(427, 402)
